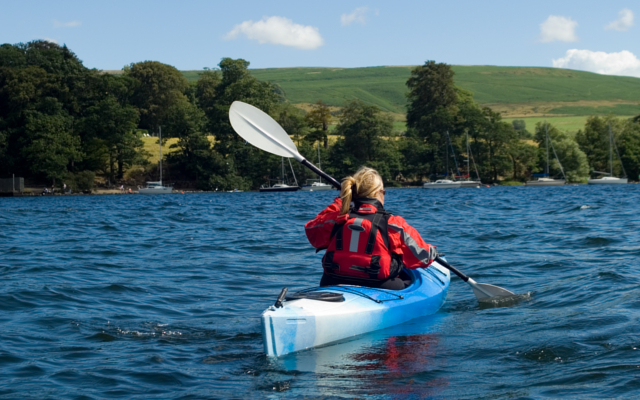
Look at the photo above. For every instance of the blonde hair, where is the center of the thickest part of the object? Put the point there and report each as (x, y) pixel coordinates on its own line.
(364, 183)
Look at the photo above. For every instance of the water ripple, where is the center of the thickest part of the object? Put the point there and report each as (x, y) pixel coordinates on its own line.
(160, 296)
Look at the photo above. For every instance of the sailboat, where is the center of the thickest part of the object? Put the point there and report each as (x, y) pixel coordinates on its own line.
(468, 182)
(157, 187)
(445, 183)
(281, 186)
(609, 180)
(316, 184)
(543, 179)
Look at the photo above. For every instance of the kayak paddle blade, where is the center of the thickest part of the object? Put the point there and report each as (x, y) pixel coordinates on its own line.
(483, 290)
(258, 128)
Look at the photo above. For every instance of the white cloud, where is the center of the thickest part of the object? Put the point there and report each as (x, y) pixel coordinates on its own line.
(50, 40)
(558, 28)
(279, 30)
(357, 15)
(72, 24)
(624, 22)
(623, 63)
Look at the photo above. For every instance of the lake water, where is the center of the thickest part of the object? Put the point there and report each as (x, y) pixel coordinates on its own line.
(160, 297)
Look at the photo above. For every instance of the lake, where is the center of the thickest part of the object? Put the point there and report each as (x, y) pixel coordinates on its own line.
(160, 297)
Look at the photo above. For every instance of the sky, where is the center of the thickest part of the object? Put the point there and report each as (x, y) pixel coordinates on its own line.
(587, 35)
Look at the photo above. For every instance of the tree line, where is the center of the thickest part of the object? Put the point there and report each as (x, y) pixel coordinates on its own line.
(62, 122)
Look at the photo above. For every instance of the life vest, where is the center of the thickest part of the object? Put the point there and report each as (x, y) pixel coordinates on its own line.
(359, 248)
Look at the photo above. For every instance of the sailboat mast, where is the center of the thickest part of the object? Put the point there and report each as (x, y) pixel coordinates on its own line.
(160, 140)
(446, 147)
(319, 165)
(546, 132)
(610, 151)
(282, 158)
(468, 156)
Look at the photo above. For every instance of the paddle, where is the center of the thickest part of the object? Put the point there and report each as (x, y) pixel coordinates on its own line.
(262, 131)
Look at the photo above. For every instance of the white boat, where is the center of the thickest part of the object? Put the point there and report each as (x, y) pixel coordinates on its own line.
(442, 184)
(546, 182)
(445, 183)
(316, 186)
(281, 187)
(157, 187)
(544, 179)
(470, 183)
(610, 179)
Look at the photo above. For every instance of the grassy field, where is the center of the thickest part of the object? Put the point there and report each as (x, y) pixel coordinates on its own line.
(151, 146)
(570, 124)
(514, 91)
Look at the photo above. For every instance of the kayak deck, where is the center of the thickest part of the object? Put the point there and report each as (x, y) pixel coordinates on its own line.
(304, 323)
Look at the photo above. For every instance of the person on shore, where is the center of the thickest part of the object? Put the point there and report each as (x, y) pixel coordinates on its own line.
(366, 245)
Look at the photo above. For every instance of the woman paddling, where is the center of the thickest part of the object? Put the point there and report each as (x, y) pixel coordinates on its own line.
(366, 245)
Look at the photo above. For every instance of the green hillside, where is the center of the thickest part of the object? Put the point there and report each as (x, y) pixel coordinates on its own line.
(515, 91)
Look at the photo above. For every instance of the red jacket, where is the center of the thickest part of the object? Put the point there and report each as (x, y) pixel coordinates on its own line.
(404, 240)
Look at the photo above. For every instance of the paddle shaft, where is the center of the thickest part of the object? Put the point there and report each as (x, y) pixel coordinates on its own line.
(452, 269)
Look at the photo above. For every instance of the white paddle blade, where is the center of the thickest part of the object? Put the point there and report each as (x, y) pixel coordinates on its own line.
(258, 128)
(483, 290)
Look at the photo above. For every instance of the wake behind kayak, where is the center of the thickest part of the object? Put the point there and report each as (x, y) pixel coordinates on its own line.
(323, 315)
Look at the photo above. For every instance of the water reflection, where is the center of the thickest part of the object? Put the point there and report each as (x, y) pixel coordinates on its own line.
(400, 362)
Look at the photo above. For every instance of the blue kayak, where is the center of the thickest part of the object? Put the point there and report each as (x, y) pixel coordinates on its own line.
(323, 315)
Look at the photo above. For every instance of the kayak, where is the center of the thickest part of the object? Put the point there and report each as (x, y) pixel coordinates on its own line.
(322, 315)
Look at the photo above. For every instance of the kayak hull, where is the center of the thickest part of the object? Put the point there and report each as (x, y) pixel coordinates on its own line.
(304, 323)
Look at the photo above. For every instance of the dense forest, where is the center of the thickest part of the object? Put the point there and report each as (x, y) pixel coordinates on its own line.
(62, 122)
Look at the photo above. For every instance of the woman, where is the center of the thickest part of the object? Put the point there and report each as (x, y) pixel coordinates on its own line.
(366, 245)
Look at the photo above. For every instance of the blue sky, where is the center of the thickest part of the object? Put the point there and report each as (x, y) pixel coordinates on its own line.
(589, 35)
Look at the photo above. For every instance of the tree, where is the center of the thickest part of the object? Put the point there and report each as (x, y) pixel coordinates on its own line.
(195, 158)
(366, 138)
(523, 156)
(113, 125)
(432, 99)
(520, 126)
(49, 145)
(318, 120)
(157, 88)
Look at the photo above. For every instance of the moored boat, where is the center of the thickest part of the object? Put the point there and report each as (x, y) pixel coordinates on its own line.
(544, 179)
(279, 187)
(546, 182)
(470, 183)
(156, 188)
(608, 180)
(316, 186)
(306, 319)
(442, 184)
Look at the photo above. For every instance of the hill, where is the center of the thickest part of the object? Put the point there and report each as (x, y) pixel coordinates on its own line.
(514, 91)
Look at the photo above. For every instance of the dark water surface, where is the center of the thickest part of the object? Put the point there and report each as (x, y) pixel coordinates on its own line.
(160, 297)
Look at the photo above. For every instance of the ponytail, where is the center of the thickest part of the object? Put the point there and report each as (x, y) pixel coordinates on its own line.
(364, 183)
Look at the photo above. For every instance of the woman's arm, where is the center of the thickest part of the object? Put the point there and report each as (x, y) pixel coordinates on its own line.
(319, 229)
(405, 240)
